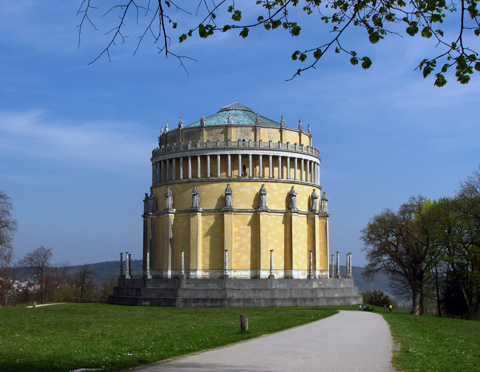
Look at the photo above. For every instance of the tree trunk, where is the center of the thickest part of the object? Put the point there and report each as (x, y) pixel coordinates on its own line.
(417, 298)
(439, 308)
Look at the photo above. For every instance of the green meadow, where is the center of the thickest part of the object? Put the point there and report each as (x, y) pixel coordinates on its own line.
(430, 343)
(71, 336)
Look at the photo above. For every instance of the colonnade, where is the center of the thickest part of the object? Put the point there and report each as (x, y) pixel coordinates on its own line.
(335, 266)
(249, 165)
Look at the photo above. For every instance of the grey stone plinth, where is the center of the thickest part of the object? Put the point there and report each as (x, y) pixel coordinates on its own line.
(235, 292)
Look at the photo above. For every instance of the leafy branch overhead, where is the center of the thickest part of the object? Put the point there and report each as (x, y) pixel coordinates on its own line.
(451, 26)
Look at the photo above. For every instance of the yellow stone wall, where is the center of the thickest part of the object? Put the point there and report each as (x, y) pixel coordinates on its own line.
(290, 235)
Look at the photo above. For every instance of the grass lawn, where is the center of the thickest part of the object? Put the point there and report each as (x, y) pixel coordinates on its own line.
(70, 336)
(434, 344)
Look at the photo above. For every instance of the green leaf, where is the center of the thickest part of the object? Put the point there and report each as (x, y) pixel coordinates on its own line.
(440, 81)
(317, 54)
(412, 30)
(374, 37)
(427, 70)
(295, 55)
(427, 32)
(477, 66)
(463, 79)
(244, 32)
(296, 30)
(226, 28)
(354, 61)
(367, 62)
(237, 15)
(302, 57)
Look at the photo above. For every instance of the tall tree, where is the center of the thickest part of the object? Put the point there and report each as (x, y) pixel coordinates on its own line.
(84, 280)
(8, 226)
(465, 253)
(38, 262)
(400, 244)
(162, 20)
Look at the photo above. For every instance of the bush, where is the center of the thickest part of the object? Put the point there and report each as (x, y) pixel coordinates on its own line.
(377, 298)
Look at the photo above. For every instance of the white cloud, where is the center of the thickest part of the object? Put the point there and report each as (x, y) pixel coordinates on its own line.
(102, 145)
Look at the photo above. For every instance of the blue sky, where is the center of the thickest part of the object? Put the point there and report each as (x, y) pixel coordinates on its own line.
(76, 139)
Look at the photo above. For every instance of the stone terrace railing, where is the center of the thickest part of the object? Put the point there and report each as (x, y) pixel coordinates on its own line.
(235, 145)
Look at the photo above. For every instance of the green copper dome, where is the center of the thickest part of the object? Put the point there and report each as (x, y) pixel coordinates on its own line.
(236, 114)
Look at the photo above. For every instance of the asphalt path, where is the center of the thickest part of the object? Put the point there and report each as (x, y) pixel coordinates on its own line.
(348, 341)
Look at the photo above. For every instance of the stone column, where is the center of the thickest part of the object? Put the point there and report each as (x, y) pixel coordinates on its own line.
(226, 274)
(279, 167)
(167, 172)
(218, 166)
(229, 168)
(250, 174)
(181, 169)
(307, 179)
(127, 266)
(271, 276)
(162, 171)
(189, 167)
(147, 272)
(295, 165)
(260, 169)
(270, 166)
(239, 165)
(349, 265)
(199, 170)
(332, 267)
(302, 175)
(337, 266)
(288, 167)
(121, 265)
(182, 270)
(174, 176)
(208, 166)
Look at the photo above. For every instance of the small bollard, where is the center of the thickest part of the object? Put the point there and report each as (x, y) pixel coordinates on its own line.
(243, 323)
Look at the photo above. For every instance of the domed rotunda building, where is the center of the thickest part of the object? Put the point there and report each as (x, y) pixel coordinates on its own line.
(236, 196)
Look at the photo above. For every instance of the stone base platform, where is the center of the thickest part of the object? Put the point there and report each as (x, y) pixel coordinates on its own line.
(235, 292)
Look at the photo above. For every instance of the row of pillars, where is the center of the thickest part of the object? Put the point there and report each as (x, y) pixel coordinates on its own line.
(310, 170)
(335, 266)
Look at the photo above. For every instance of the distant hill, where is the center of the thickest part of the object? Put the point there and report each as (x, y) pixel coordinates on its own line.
(105, 271)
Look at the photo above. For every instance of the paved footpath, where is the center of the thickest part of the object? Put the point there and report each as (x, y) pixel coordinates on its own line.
(349, 341)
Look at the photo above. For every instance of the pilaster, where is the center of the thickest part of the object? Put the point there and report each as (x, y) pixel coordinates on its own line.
(315, 248)
(263, 248)
(168, 244)
(288, 254)
(228, 236)
(195, 244)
